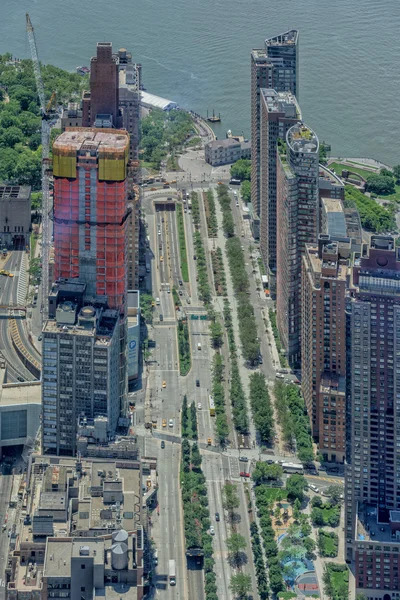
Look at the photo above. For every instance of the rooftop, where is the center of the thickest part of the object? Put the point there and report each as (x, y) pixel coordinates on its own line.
(301, 138)
(74, 138)
(259, 54)
(373, 528)
(156, 101)
(335, 218)
(331, 176)
(282, 102)
(316, 264)
(331, 383)
(15, 192)
(284, 39)
(29, 392)
(225, 143)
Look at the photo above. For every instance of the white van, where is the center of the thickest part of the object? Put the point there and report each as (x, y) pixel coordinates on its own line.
(157, 300)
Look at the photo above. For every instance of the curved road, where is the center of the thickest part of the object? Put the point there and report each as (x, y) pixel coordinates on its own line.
(8, 295)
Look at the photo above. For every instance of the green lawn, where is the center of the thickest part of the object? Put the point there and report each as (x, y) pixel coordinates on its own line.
(328, 543)
(273, 493)
(182, 243)
(336, 581)
(338, 167)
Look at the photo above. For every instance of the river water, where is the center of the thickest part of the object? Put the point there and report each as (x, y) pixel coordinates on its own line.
(197, 52)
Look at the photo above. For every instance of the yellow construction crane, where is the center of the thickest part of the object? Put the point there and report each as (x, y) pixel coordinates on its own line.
(51, 102)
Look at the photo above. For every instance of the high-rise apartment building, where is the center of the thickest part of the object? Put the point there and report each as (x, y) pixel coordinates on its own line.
(323, 343)
(372, 490)
(283, 52)
(84, 338)
(81, 373)
(279, 112)
(298, 219)
(275, 67)
(261, 77)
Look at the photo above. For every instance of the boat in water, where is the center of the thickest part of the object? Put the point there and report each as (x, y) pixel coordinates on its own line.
(83, 70)
(215, 118)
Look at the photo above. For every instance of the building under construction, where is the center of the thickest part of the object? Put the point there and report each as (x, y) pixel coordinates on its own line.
(91, 211)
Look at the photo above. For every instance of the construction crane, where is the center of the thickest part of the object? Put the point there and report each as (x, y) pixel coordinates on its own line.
(51, 102)
(45, 166)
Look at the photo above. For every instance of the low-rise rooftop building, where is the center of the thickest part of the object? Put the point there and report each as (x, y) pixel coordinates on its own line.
(15, 216)
(83, 531)
(224, 152)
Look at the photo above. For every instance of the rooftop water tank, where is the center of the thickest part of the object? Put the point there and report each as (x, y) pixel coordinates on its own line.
(119, 556)
(119, 536)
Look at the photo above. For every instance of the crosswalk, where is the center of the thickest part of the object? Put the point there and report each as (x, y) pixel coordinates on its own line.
(22, 282)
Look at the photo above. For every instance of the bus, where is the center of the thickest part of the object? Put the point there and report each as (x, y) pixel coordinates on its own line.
(172, 573)
(292, 468)
(212, 406)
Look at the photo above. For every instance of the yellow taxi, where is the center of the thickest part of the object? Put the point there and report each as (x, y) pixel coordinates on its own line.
(161, 258)
(164, 422)
(164, 384)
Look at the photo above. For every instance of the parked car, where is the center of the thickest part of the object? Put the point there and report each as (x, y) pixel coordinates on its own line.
(212, 530)
(313, 488)
(279, 376)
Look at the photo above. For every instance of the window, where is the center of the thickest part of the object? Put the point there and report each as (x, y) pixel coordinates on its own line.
(83, 566)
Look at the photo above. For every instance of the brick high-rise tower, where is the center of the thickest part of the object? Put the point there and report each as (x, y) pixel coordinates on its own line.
(323, 344)
(104, 85)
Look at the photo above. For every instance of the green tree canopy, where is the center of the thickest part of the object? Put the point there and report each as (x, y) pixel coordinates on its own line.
(295, 486)
(240, 585)
(245, 190)
(264, 472)
(241, 169)
(380, 184)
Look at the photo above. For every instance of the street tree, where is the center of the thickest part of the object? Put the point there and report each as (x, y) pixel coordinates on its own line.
(195, 456)
(264, 472)
(240, 585)
(236, 543)
(216, 334)
(230, 498)
(334, 493)
(295, 486)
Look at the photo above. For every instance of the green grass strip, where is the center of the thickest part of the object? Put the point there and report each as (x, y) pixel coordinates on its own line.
(182, 244)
